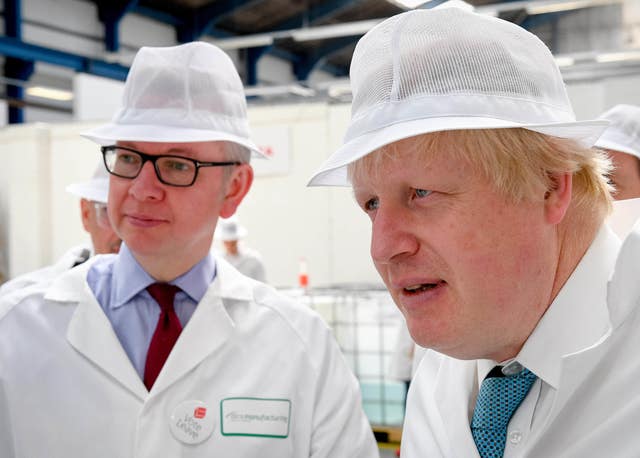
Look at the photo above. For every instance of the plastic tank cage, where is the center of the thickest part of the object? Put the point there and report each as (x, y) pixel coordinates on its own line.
(364, 320)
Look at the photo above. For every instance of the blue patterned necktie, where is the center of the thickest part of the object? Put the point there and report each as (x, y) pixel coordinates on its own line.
(498, 399)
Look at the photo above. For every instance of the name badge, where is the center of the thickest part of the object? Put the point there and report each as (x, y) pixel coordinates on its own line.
(255, 417)
(192, 422)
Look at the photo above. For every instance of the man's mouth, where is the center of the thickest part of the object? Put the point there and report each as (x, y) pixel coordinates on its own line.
(414, 289)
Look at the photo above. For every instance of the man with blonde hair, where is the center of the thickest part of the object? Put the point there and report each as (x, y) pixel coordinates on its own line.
(487, 205)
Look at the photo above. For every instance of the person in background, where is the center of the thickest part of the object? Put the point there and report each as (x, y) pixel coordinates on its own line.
(621, 140)
(95, 220)
(164, 350)
(243, 258)
(487, 204)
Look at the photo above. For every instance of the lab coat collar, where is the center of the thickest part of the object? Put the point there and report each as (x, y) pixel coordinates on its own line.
(624, 287)
(578, 317)
(90, 331)
(455, 386)
(92, 335)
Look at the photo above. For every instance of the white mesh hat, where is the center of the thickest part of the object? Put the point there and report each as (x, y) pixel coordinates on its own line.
(186, 93)
(96, 189)
(445, 69)
(623, 134)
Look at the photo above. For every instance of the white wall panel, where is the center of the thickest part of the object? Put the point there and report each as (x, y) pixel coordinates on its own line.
(95, 98)
(25, 209)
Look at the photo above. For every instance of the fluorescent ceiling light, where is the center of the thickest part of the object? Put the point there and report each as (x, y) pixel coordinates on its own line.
(339, 89)
(558, 6)
(49, 93)
(295, 89)
(409, 4)
(247, 41)
(542, 6)
(346, 29)
(461, 4)
(618, 56)
(564, 61)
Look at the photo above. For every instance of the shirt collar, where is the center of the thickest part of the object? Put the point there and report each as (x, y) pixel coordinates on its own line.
(129, 278)
(577, 318)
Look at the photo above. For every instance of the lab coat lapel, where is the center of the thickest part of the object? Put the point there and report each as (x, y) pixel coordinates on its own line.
(623, 291)
(576, 369)
(91, 333)
(208, 329)
(452, 393)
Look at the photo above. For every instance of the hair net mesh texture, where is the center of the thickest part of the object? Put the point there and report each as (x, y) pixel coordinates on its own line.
(185, 86)
(410, 59)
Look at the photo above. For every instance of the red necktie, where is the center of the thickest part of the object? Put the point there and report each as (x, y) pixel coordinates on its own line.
(166, 333)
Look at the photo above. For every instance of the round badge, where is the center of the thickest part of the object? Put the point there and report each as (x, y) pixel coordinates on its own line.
(192, 422)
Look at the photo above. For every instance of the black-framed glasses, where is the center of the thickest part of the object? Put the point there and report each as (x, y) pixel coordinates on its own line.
(125, 162)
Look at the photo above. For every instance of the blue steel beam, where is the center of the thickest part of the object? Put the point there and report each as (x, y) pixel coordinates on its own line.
(21, 70)
(253, 55)
(12, 47)
(110, 14)
(177, 22)
(202, 20)
(315, 13)
(15, 67)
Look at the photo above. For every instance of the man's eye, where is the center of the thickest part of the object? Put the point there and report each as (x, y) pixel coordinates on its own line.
(422, 193)
(128, 158)
(371, 204)
(178, 166)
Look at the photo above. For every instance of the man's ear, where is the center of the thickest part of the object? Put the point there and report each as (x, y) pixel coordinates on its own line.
(558, 198)
(237, 186)
(86, 207)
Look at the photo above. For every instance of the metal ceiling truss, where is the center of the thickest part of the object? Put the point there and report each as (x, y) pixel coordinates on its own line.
(190, 26)
(194, 24)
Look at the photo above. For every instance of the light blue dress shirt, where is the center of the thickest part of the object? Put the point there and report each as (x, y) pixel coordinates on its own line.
(119, 284)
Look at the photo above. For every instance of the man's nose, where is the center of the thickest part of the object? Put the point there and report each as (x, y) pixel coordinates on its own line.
(146, 185)
(392, 235)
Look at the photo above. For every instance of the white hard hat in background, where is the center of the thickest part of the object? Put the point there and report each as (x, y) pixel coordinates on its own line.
(229, 229)
(96, 189)
(623, 134)
(186, 93)
(446, 69)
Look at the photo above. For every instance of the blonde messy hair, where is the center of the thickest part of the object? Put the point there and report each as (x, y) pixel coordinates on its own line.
(519, 162)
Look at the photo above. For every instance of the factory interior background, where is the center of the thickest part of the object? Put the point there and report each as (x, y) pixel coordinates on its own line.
(64, 65)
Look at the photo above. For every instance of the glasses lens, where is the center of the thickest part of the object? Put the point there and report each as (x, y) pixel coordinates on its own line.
(102, 217)
(176, 171)
(123, 162)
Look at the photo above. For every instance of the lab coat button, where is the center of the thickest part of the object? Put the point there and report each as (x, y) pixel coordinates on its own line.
(515, 437)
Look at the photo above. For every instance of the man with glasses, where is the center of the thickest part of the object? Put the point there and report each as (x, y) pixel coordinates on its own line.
(95, 220)
(164, 350)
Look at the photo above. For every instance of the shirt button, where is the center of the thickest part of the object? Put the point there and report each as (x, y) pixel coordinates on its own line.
(515, 437)
(512, 369)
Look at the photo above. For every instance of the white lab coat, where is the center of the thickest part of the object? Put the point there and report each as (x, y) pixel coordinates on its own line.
(595, 410)
(67, 388)
(77, 254)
